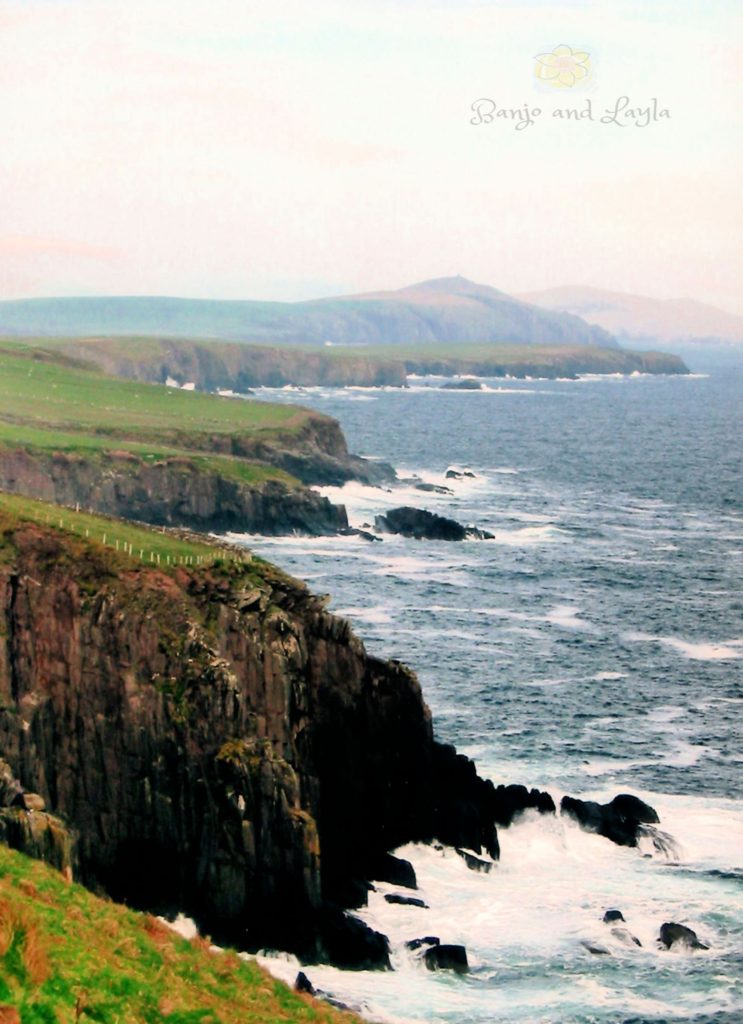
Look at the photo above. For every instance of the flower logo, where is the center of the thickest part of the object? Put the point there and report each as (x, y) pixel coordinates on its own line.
(563, 68)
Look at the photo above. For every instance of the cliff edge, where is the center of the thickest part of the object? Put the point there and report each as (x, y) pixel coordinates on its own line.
(218, 742)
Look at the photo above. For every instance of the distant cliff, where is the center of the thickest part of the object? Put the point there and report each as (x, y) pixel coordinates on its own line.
(218, 742)
(212, 365)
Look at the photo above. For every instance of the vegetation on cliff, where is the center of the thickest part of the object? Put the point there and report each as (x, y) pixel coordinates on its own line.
(69, 433)
(67, 955)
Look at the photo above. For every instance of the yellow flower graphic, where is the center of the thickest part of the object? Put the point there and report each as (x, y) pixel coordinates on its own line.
(563, 68)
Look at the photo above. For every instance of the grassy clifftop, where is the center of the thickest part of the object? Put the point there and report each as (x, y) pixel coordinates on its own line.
(66, 955)
(71, 434)
(213, 365)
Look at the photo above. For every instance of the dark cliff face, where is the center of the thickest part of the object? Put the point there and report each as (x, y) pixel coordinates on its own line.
(220, 744)
(168, 492)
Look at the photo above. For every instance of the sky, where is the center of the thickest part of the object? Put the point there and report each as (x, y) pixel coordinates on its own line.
(290, 150)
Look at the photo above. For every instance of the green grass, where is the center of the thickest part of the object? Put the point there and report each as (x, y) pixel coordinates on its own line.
(35, 438)
(66, 955)
(140, 544)
(44, 389)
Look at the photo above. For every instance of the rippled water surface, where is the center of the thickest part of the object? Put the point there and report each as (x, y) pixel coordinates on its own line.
(595, 646)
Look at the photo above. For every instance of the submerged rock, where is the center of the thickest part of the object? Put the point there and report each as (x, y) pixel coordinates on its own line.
(475, 863)
(423, 525)
(446, 958)
(621, 820)
(456, 474)
(433, 488)
(672, 934)
(462, 385)
(405, 901)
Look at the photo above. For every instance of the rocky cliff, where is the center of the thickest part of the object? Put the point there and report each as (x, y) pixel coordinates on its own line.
(218, 742)
(177, 491)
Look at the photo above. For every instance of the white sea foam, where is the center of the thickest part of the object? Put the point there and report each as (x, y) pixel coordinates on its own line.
(727, 650)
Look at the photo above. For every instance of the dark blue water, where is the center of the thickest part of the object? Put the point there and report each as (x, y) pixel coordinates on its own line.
(595, 646)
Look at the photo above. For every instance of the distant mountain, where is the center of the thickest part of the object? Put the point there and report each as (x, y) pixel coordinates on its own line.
(642, 319)
(450, 310)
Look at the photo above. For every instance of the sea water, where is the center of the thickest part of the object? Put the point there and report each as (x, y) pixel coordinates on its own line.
(595, 646)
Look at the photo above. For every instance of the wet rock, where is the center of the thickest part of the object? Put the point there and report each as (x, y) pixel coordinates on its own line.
(303, 984)
(422, 525)
(349, 943)
(446, 958)
(512, 800)
(475, 863)
(455, 474)
(352, 531)
(405, 901)
(621, 820)
(395, 870)
(673, 934)
(426, 940)
(433, 488)
(613, 915)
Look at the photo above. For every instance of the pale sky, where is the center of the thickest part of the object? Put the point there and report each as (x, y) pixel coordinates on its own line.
(288, 150)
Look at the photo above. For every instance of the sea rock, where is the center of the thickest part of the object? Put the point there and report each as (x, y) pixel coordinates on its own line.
(395, 870)
(462, 385)
(352, 531)
(351, 944)
(672, 934)
(423, 525)
(475, 863)
(405, 901)
(613, 915)
(621, 820)
(433, 488)
(456, 474)
(444, 957)
(303, 984)
(513, 800)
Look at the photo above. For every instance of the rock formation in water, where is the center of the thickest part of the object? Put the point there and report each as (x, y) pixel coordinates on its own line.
(423, 525)
(623, 819)
(218, 742)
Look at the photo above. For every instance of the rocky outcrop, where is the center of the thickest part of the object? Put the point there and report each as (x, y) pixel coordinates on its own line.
(672, 934)
(423, 525)
(25, 826)
(174, 491)
(623, 820)
(220, 744)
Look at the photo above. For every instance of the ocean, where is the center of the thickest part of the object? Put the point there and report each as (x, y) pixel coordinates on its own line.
(594, 647)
